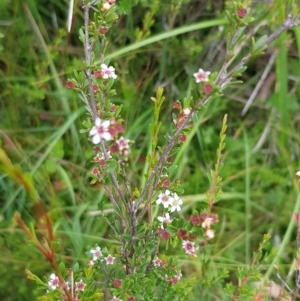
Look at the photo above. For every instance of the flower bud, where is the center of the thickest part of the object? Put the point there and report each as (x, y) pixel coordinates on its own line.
(106, 6)
(242, 13)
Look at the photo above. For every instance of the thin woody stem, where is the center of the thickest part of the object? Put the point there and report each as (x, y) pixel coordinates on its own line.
(161, 162)
(289, 23)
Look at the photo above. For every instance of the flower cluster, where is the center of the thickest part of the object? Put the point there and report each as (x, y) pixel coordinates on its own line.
(97, 255)
(158, 262)
(206, 220)
(170, 200)
(54, 284)
(175, 278)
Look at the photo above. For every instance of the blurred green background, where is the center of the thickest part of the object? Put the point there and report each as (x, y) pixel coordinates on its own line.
(155, 43)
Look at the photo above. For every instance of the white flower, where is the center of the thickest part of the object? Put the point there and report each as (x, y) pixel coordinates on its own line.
(165, 199)
(53, 283)
(175, 203)
(189, 247)
(96, 253)
(164, 219)
(109, 259)
(80, 286)
(123, 143)
(201, 76)
(108, 72)
(100, 130)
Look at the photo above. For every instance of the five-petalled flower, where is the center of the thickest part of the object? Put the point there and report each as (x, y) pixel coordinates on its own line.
(165, 199)
(100, 130)
(122, 143)
(108, 72)
(53, 282)
(96, 253)
(79, 286)
(175, 203)
(201, 76)
(109, 259)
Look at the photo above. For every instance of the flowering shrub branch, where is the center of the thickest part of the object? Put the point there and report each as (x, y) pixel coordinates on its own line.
(138, 271)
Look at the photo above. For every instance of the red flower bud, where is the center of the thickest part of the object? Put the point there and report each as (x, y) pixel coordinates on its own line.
(242, 13)
(165, 235)
(207, 88)
(117, 283)
(70, 85)
(195, 219)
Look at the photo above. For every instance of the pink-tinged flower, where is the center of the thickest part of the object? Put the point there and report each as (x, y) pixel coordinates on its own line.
(157, 262)
(95, 171)
(207, 222)
(108, 72)
(214, 217)
(175, 203)
(173, 280)
(164, 198)
(53, 282)
(92, 263)
(179, 274)
(298, 174)
(122, 143)
(109, 259)
(130, 298)
(100, 130)
(126, 152)
(79, 286)
(201, 76)
(164, 219)
(189, 247)
(96, 253)
(115, 299)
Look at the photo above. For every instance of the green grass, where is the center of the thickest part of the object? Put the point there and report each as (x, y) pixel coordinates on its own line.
(40, 123)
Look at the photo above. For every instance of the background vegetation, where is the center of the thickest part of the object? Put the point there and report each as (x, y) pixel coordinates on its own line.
(154, 44)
